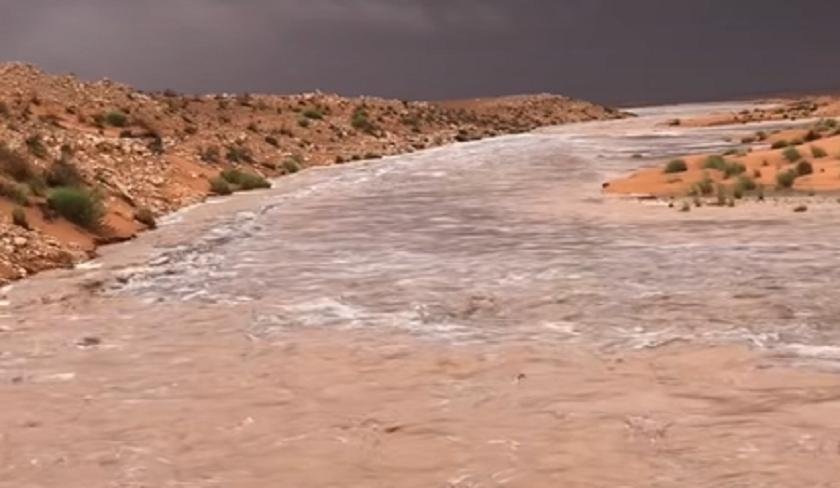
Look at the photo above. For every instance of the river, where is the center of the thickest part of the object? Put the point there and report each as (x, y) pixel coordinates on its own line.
(476, 315)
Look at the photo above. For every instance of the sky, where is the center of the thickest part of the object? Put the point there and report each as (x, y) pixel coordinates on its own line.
(610, 51)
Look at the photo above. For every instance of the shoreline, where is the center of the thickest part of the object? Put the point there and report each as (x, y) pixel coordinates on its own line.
(149, 154)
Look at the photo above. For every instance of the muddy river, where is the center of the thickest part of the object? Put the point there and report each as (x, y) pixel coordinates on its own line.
(478, 315)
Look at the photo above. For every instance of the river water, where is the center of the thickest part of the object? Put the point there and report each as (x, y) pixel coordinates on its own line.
(476, 315)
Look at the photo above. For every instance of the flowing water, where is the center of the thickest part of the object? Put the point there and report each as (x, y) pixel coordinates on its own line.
(477, 315)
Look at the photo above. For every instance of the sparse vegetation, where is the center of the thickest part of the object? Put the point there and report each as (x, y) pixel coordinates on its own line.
(303, 122)
(727, 168)
(676, 166)
(244, 181)
(272, 141)
(780, 144)
(818, 152)
(804, 168)
(145, 217)
(220, 186)
(292, 165)
(115, 119)
(812, 135)
(239, 154)
(211, 154)
(703, 187)
(36, 146)
(360, 121)
(78, 205)
(792, 154)
(14, 192)
(63, 173)
(19, 218)
(15, 165)
(743, 185)
(313, 113)
(785, 179)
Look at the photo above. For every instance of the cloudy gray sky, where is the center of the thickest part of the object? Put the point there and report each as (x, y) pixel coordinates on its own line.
(606, 50)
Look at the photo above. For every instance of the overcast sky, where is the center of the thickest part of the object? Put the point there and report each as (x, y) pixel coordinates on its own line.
(606, 50)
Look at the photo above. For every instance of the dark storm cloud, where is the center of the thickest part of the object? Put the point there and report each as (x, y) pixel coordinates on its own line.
(609, 50)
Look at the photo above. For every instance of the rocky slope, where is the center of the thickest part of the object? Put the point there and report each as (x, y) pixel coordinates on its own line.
(131, 156)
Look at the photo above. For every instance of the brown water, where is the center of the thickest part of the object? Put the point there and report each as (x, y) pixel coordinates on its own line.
(472, 316)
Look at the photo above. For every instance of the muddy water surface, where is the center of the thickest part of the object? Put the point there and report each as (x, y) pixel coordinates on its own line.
(471, 316)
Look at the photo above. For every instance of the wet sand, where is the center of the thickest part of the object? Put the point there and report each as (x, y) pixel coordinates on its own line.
(473, 316)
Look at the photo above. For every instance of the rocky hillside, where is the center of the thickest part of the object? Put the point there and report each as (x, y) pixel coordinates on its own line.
(83, 164)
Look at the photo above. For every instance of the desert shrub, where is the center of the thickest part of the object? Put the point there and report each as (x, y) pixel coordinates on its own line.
(115, 119)
(292, 165)
(727, 168)
(792, 154)
(804, 168)
(748, 140)
(14, 164)
(146, 217)
(243, 180)
(78, 205)
(745, 184)
(210, 154)
(818, 152)
(253, 127)
(704, 186)
(715, 162)
(63, 173)
(239, 154)
(785, 179)
(360, 121)
(761, 135)
(220, 186)
(313, 113)
(780, 144)
(272, 141)
(14, 192)
(303, 122)
(812, 135)
(19, 218)
(36, 146)
(722, 195)
(155, 146)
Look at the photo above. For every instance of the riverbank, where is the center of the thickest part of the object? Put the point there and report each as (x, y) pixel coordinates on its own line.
(136, 156)
(804, 160)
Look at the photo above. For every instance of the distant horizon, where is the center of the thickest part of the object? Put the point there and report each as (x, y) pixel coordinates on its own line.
(608, 51)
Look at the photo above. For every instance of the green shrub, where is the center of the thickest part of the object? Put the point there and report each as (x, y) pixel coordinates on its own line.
(243, 180)
(727, 168)
(78, 205)
(804, 168)
(145, 217)
(210, 154)
(745, 184)
(792, 154)
(313, 113)
(19, 218)
(220, 186)
(715, 162)
(780, 144)
(360, 121)
(14, 192)
(115, 119)
(239, 154)
(291, 165)
(676, 166)
(36, 146)
(818, 152)
(785, 179)
(64, 173)
(704, 186)
(16, 165)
